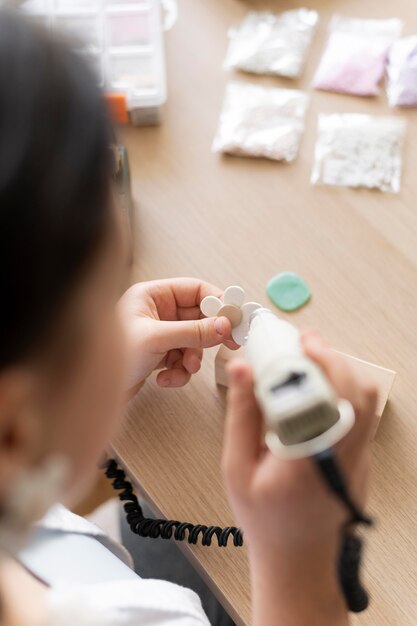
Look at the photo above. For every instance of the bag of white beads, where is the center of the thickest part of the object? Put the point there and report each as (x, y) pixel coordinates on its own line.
(402, 73)
(269, 43)
(261, 121)
(355, 150)
(354, 59)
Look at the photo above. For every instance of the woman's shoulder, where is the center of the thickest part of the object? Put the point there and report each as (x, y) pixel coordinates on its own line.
(129, 603)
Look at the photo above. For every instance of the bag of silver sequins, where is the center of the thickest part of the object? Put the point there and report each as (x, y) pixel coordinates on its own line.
(355, 150)
(261, 121)
(269, 43)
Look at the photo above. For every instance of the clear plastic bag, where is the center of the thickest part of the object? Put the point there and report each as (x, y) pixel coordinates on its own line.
(355, 55)
(261, 121)
(354, 150)
(267, 43)
(402, 73)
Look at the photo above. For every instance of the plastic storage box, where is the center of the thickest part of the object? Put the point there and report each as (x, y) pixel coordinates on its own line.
(122, 40)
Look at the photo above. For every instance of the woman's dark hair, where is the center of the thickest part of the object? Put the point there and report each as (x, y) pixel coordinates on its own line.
(55, 170)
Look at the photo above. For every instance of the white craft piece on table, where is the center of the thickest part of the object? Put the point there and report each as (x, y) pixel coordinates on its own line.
(234, 307)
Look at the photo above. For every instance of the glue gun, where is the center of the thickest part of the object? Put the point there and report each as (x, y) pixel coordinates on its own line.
(302, 413)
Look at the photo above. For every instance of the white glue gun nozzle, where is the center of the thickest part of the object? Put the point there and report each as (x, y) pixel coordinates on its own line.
(258, 312)
(262, 311)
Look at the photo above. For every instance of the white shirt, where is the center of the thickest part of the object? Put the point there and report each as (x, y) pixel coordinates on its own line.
(91, 583)
(125, 603)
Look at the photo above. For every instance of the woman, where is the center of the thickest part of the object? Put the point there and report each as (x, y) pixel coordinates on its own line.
(68, 346)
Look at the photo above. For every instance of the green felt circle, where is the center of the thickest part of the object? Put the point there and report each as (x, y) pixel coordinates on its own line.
(288, 291)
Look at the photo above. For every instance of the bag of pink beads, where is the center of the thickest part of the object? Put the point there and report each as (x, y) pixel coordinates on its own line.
(355, 55)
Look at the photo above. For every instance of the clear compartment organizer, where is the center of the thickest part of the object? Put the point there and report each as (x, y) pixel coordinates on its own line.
(122, 41)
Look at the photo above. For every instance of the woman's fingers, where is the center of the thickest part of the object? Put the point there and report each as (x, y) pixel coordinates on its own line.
(243, 428)
(186, 292)
(190, 313)
(191, 359)
(204, 333)
(169, 358)
(232, 345)
(176, 376)
(360, 392)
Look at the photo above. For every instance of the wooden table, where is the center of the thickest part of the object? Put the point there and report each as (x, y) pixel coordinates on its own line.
(240, 221)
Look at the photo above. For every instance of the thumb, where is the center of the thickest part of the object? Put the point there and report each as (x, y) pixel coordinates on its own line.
(205, 333)
(243, 430)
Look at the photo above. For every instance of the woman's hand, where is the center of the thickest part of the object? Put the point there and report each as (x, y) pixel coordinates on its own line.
(165, 330)
(290, 519)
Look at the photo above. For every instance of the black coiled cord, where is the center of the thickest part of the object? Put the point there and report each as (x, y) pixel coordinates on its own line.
(356, 596)
(165, 529)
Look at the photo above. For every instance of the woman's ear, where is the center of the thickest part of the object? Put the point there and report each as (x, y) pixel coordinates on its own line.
(20, 431)
(31, 479)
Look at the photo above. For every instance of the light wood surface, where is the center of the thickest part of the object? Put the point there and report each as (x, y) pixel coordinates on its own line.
(240, 221)
(381, 376)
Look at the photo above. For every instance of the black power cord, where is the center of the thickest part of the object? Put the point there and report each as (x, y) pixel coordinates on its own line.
(356, 597)
(165, 529)
(333, 477)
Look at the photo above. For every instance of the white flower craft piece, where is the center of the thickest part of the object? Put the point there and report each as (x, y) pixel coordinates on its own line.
(234, 307)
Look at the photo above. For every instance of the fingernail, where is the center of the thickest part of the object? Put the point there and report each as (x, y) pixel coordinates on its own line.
(315, 343)
(165, 382)
(221, 324)
(236, 374)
